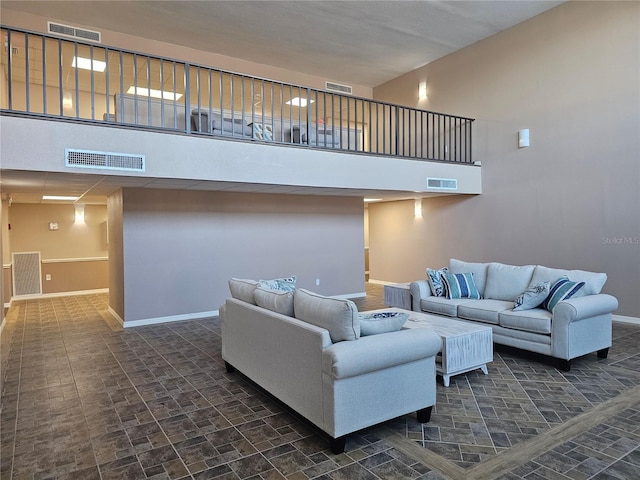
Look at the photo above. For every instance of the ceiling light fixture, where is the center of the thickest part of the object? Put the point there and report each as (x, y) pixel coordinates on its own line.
(372, 199)
(145, 92)
(88, 64)
(64, 198)
(299, 102)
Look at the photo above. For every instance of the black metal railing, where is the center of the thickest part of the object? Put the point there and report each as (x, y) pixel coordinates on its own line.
(57, 77)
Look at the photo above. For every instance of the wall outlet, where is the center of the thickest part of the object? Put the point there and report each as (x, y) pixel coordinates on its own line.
(317, 282)
(47, 276)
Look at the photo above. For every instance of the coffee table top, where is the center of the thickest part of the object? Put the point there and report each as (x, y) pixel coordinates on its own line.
(443, 326)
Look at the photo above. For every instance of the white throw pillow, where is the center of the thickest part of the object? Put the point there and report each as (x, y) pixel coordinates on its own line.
(532, 297)
(381, 322)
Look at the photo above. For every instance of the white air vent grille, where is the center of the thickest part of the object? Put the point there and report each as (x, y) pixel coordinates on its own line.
(27, 274)
(442, 183)
(104, 160)
(336, 87)
(73, 32)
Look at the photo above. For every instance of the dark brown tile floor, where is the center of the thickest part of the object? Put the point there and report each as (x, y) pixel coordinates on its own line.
(84, 399)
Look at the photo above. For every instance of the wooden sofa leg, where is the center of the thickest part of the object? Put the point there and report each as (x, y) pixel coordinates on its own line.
(424, 414)
(337, 445)
(603, 353)
(230, 368)
(564, 365)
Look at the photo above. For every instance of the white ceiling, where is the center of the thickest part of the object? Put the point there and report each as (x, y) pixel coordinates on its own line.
(353, 42)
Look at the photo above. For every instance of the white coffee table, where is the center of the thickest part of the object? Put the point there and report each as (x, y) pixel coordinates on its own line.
(465, 345)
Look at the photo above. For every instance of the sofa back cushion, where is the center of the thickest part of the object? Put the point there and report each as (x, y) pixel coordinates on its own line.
(479, 271)
(593, 282)
(507, 282)
(243, 289)
(340, 317)
(279, 301)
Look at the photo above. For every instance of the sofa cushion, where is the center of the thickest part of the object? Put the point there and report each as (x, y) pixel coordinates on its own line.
(339, 317)
(479, 271)
(506, 282)
(279, 301)
(243, 289)
(442, 305)
(532, 297)
(537, 320)
(593, 282)
(285, 284)
(562, 289)
(434, 277)
(381, 322)
(486, 310)
(459, 285)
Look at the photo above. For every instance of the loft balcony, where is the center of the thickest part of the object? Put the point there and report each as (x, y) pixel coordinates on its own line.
(94, 88)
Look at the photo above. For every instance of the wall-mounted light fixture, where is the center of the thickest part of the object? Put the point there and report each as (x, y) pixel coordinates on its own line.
(67, 101)
(417, 208)
(79, 212)
(422, 90)
(523, 138)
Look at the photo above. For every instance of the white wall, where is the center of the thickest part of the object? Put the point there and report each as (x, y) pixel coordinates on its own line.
(180, 248)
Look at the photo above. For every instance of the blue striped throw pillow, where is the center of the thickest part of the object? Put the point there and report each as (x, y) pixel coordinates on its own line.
(562, 289)
(459, 285)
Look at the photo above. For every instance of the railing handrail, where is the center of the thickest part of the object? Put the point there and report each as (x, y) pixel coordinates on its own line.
(393, 126)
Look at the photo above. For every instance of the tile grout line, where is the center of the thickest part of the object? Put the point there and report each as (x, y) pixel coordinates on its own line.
(75, 383)
(135, 387)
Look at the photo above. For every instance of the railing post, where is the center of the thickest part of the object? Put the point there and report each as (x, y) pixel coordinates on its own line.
(187, 97)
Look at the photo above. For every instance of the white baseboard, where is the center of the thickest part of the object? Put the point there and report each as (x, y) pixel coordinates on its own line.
(4, 322)
(350, 295)
(58, 294)
(623, 319)
(384, 282)
(167, 319)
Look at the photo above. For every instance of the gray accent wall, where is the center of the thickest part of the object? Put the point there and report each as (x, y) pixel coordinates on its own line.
(179, 248)
(571, 199)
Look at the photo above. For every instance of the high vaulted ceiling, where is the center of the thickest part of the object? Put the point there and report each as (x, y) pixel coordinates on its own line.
(354, 42)
(362, 43)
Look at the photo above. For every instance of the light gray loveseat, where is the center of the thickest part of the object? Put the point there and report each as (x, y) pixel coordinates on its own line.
(336, 379)
(575, 326)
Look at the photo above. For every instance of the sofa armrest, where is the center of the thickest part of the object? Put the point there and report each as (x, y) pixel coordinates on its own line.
(578, 308)
(419, 289)
(377, 352)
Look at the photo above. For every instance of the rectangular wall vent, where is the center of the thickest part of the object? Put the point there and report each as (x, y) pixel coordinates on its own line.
(104, 160)
(73, 32)
(27, 276)
(442, 183)
(336, 87)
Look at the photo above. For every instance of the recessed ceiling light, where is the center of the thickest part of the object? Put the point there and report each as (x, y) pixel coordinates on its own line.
(145, 92)
(299, 102)
(372, 199)
(88, 64)
(66, 198)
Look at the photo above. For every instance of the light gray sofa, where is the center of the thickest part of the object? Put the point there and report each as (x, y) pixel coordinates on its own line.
(317, 136)
(575, 327)
(336, 379)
